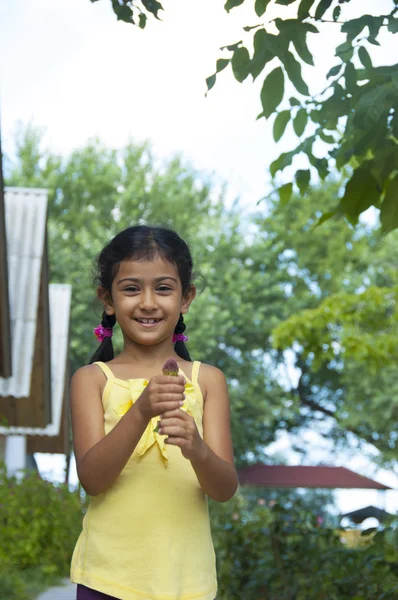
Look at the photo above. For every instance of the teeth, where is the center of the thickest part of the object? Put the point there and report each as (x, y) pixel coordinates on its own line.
(149, 321)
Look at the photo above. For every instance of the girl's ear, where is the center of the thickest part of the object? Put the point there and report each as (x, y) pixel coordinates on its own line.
(106, 299)
(188, 299)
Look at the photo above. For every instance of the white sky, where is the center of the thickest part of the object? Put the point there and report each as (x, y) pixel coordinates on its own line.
(70, 67)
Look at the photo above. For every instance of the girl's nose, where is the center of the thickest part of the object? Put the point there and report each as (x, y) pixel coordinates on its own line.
(148, 301)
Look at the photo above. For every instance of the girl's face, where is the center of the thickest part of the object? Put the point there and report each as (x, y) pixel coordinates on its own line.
(147, 299)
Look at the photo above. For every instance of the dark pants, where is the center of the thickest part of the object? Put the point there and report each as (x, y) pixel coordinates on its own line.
(85, 593)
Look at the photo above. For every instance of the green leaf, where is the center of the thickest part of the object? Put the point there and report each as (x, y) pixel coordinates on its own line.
(371, 104)
(334, 71)
(389, 208)
(262, 52)
(294, 102)
(353, 27)
(261, 6)
(232, 47)
(285, 2)
(303, 178)
(364, 57)
(336, 13)
(220, 66)
(283, 161)
(123, 12)
(372, 40)
(142, 19)
(324, 217)
(322, 8)
(298, 38)
(241, 63)
(251, 27)
(153, 6)
(374, 24)
(232, 3)
(285, 193)
(210, 82)
(280, 123)
(345, 51)
(304, 9)
(361, 192)
(350, 75)
(293, 70)
(392, 24)
(300, 122)
(321, 165)
(328, 139)
(272, 91)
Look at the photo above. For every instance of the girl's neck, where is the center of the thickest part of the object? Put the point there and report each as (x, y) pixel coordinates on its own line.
(146, 355)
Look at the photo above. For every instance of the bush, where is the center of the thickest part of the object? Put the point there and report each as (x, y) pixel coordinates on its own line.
(39, 523)
(275, 553)
(12, 586)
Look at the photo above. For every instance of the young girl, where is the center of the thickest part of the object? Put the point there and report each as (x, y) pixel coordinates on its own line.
(149, 447)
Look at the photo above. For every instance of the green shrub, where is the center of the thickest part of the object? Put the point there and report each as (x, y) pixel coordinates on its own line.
(39, 523)
(12, 586)
(275, 553)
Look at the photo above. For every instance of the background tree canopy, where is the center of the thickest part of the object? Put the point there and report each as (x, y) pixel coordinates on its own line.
(355, 116)
(279, 306)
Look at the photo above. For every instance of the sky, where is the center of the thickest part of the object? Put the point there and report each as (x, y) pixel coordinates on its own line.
(70, 67)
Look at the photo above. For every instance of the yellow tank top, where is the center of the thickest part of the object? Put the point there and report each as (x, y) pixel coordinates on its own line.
(148, 536)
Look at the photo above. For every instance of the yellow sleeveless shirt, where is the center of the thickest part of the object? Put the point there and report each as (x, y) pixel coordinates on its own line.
(148, 536)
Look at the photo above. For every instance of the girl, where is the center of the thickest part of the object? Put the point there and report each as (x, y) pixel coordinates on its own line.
(146, 534)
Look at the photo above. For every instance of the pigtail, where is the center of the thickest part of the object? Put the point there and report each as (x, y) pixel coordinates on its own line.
(179, 346)
(105, 351)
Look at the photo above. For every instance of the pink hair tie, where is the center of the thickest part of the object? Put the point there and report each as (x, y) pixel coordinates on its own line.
(102, 332)
(179, 337)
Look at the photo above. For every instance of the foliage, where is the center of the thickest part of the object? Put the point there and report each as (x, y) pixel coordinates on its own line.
(284, 553)
(259, 272)
(355, 116)
(39, 524)
(96, 192)
(361, 326)
(12, 586)
(135, 12)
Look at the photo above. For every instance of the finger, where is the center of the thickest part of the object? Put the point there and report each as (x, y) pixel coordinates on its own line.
(171, 398)
(179, 379)
(162, 408)
(178, 412)
(173, 431)
(170, 389)
(170, 422)
(175, 441)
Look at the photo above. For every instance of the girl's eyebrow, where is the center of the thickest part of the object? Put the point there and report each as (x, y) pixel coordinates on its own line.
(138, 280)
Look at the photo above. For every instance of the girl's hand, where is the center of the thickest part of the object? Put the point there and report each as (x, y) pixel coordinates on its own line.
(182, 431)
(163, 393)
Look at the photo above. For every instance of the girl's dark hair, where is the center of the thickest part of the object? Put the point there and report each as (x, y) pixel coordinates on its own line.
(142, 242)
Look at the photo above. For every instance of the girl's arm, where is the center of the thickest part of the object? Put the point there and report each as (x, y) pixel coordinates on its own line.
(211, 457)
(100, 458)
(215, 467)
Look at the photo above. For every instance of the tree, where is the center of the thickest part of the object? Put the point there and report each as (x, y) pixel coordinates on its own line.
(260, 275)
(96, 192)
(355, 116)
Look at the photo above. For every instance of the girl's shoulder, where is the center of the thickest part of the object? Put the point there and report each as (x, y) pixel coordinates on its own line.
(210, 379)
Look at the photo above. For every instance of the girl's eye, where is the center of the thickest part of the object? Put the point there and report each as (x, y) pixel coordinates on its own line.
(133, 289)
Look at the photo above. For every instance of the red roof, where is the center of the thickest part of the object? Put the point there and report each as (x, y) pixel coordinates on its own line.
(282, 476)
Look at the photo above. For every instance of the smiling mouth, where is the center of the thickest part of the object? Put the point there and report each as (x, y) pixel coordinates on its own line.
(148, 322)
